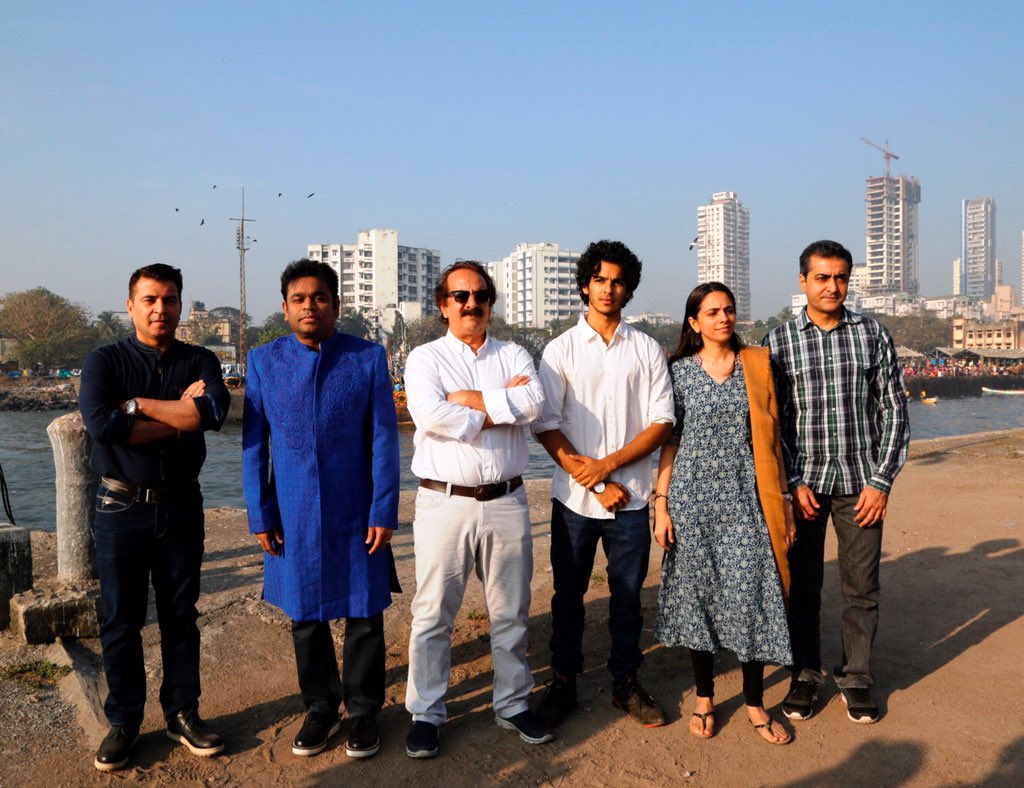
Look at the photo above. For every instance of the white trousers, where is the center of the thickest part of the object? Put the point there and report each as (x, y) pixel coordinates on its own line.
(453, 535)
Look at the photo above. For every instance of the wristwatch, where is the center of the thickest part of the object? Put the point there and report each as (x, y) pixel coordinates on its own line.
(598, 488)
(131, 407)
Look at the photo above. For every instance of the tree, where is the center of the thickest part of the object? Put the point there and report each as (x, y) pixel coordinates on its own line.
(110, 328)
(423, 330)
(352, 321)
(918, 332)
(273, 327)
(51, 331)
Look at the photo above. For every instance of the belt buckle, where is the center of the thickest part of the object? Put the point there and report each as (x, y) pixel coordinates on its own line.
(149, 495)
(480, 492)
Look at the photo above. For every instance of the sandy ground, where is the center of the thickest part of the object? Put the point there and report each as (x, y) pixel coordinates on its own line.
(948, 667)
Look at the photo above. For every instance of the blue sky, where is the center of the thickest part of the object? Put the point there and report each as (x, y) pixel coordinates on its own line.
(472, 126)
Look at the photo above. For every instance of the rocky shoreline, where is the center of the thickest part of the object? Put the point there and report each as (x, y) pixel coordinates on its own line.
(37, 395)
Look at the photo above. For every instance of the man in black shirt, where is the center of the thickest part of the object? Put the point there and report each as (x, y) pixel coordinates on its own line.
(146, 402)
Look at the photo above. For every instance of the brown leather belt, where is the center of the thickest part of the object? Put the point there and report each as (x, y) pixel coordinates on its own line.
(141, 494)
(482, 492)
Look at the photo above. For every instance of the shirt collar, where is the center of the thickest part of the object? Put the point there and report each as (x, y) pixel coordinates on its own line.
(458, 346)
(803, 322)
(590, 334)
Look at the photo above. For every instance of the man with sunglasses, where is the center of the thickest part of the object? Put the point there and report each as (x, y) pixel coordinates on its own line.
(471, 397)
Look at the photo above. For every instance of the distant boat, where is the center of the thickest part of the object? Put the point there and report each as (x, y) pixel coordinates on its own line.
(926, 400)
(1014, 393)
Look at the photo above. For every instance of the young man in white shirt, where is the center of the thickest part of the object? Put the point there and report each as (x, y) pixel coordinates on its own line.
(471, 396)
(608, 406)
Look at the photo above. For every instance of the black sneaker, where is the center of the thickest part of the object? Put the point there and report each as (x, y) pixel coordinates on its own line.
(422, 740)
(315, 732)
(799, 703)
(532, 729)
(628, 695)
(557, 701)
(188, 728)
(363, 740)
(116, 748)
(859, 706)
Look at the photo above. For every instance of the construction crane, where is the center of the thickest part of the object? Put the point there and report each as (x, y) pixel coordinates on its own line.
(888, 154)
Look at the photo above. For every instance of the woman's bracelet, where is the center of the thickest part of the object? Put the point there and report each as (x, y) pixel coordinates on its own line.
(658, 495)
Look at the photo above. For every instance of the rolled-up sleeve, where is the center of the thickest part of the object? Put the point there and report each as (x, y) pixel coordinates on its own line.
(518, 405)
(428, 403)
(552, 381)
(214, 404)
(99, 401)
(661, 405)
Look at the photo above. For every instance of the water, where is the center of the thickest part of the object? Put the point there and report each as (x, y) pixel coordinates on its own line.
(27, 458)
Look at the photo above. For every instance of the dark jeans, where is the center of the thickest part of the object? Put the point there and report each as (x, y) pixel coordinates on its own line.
(627, 545)
(704, 677)
(137, 542)
(361, 686)
(860, 551)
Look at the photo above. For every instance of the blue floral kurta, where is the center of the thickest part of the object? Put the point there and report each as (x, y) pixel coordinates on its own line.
(320, 462)
(720, 587)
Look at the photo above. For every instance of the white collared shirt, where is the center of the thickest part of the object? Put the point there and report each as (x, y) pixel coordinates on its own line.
(601, 397)
(450, 442)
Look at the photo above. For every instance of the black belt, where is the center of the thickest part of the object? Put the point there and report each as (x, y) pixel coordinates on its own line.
(142, 494)
(482, 492)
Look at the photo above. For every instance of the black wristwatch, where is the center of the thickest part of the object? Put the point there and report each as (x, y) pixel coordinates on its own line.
(598, 488)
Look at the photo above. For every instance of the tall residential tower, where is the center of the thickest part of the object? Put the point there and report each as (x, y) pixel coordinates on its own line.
(978, 247)
(723, 247)
(536, 284)
(891, 257)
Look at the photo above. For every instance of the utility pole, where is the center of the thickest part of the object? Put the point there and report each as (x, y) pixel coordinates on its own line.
(240, 240)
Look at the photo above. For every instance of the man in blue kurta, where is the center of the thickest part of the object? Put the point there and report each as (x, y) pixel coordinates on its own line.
(320, 474)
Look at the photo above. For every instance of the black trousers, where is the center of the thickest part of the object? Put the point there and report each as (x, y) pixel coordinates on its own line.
(361, 684)
(704, 677)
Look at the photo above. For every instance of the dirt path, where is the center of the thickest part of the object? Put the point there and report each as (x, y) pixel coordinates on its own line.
(948, 666)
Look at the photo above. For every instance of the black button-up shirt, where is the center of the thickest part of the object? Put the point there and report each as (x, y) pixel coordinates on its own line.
(126, 369)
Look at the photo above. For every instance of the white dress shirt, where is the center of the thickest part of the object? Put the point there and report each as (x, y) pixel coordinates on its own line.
(450, 442)
(601, 397)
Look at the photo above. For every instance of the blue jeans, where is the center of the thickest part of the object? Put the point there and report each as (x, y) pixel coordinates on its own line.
(134, 542)
(627, 545)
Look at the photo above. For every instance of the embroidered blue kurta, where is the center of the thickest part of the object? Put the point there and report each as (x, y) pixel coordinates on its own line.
(320, 463)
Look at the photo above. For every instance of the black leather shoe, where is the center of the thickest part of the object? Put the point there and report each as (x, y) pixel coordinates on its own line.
(628, 695)
(422, 741)
(116, 748)
(188, 728)
(558, 700)
(315, 732)
(363, 739)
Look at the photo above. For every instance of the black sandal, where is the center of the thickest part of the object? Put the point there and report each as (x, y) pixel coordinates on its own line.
(704, 724)
(768, 726)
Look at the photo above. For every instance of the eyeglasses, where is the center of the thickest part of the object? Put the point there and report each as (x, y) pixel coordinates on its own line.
(462, 296)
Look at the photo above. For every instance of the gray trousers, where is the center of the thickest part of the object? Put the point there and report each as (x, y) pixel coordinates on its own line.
(860, 551)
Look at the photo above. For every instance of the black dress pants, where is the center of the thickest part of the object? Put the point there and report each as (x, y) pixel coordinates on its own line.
(361, 684)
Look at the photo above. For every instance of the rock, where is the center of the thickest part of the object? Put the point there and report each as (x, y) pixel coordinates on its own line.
(49, 611)
(15, 566)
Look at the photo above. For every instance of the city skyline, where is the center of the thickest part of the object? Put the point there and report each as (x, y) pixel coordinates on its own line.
(604, 121)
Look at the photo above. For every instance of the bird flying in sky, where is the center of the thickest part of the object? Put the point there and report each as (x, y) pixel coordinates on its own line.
(310, 195)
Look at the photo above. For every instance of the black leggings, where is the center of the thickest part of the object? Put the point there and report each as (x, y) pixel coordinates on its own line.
(704, 677)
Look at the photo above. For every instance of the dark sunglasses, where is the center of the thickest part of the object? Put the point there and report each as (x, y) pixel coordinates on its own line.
(462, 296)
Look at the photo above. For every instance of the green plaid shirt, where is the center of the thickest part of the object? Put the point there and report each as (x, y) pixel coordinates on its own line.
(842, 406)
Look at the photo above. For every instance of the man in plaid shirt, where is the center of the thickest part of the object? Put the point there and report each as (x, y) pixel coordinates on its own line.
(843, 414)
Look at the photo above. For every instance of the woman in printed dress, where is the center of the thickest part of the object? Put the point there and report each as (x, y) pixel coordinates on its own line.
(722, 511)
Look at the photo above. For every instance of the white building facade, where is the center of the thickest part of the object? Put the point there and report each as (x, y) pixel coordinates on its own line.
(723, 247)
(978, 247)
(892, 256)
(536, 284)
(378, 276)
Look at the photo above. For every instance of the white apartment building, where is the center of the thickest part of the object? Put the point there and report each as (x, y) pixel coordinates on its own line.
(978, 247)
(723, 247)
(798, 301)
(651, 318)
(958, 276)
(536, 284)
(860, 280)
(378, 277)
(891, 259)
(950, 306)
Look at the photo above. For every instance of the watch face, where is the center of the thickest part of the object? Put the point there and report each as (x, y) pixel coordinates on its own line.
(599, 487)
(130, 407)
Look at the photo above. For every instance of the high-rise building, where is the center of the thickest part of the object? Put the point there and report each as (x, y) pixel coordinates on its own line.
(891, 259)
(536, 285)
(978, 247)
(723, 247)
(377, 276)
(958, 277)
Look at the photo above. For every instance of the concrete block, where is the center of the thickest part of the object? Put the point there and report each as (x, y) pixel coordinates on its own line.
(55, 610)
(15, 567)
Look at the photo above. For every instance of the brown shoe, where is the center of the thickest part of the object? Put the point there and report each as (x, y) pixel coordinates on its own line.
(628, 695)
